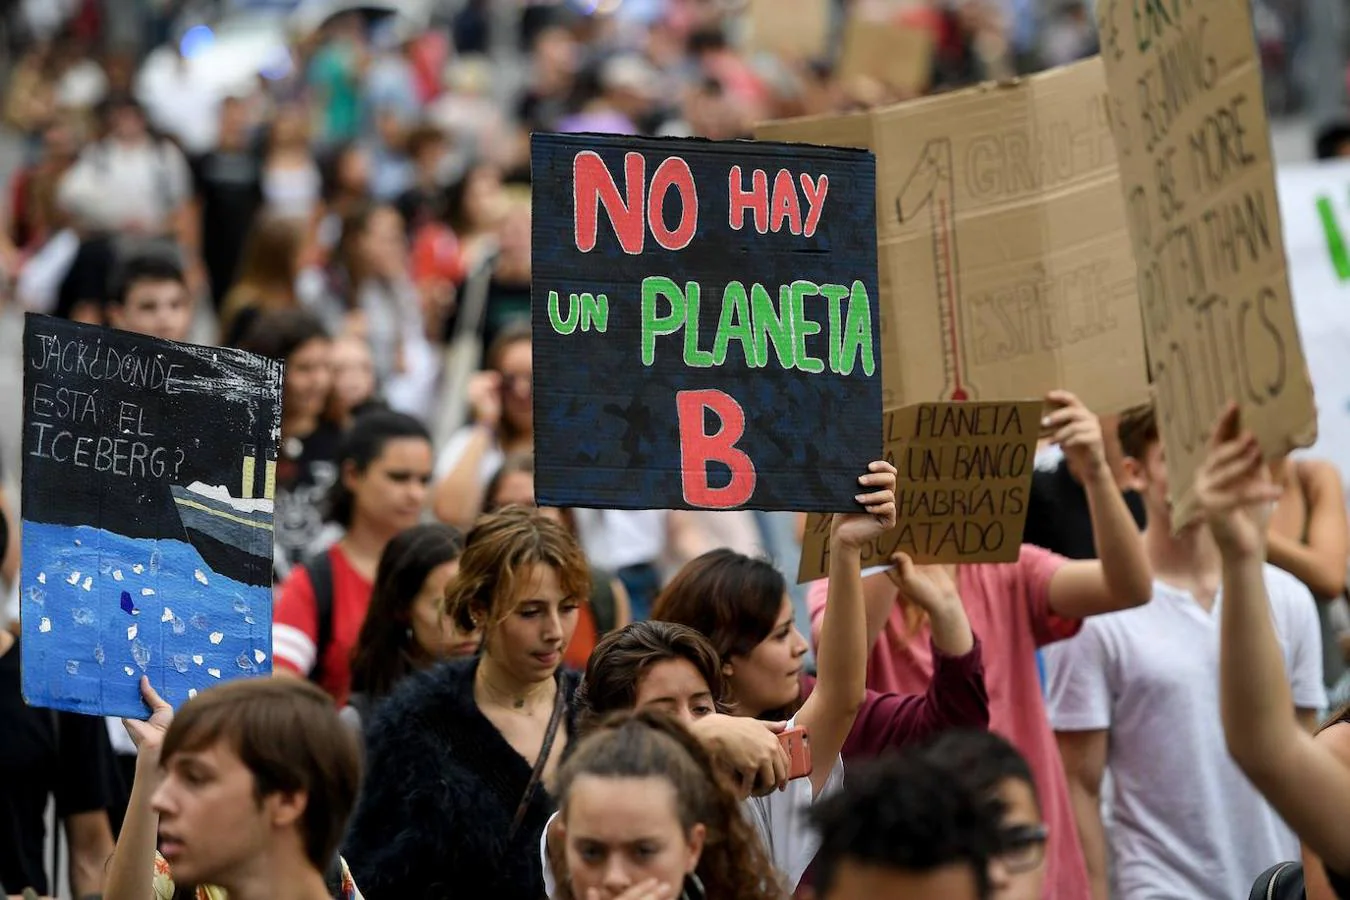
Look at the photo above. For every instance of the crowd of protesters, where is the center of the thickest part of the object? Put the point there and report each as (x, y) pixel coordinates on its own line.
(475, 696)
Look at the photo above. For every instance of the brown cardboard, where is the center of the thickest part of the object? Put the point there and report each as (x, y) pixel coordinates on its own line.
(962, 488)
(893, 54)
(1005, 262)
(792, 29)
(1189, 122)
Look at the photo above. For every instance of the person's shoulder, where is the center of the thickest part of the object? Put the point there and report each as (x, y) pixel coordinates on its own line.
(441, 693)
(1282, 588)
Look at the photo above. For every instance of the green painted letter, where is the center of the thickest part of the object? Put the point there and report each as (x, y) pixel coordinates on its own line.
(561, 325)
(694, 357)
(834, 294)
(802, 327)
(735, 325)
(858, 332)
(770, 323)
(652, 324)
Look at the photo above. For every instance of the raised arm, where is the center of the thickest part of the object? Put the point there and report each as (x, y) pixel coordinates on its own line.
(1321, 562)
(1120, 578)
(1306, 783)
(841, 657)
(132, 867)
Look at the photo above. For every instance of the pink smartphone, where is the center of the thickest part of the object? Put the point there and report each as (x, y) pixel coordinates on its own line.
(797, 743)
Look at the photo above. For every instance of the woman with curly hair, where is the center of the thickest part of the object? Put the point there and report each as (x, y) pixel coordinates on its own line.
(644, 813)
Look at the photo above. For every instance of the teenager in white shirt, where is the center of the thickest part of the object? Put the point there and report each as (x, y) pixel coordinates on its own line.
(1136, 692)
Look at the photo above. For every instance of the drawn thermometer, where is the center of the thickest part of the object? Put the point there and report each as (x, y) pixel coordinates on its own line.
(931, 186)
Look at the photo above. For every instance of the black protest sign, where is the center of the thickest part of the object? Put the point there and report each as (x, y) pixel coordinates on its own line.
(705, 324)
(148, 476)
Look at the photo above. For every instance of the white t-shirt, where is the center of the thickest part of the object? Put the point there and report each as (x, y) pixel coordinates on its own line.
(616, 538)
(781, 819)
(454, 449)
(1185, 821)
(119, 186)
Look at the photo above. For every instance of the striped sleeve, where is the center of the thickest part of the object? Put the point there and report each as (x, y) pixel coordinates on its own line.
(295, 626)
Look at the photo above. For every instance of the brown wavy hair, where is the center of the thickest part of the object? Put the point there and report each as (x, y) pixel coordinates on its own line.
(622, 658)
(497, 551)
(651, 744)
(732, 599)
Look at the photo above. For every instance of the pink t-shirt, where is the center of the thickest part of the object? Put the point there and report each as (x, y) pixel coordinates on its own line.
(1009, 608)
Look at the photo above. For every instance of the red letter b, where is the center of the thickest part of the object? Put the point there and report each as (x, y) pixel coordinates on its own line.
(697, 449)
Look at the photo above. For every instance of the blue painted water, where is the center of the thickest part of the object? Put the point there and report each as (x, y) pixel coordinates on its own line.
(99, 610)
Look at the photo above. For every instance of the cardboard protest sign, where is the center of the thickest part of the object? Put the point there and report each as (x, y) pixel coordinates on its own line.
(705, 324)
(896, 55)
(148, 473)
(1315, 210)
(1005, 265)
(962, 489)
(791, 29)
(1190, 125)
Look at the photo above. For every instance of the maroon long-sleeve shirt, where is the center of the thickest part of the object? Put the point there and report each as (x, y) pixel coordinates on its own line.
(956, 698)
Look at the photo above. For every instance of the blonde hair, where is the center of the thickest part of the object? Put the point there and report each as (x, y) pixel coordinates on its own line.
(497, 551)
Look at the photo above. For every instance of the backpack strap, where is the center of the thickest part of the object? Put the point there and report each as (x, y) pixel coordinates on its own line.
(320, 569)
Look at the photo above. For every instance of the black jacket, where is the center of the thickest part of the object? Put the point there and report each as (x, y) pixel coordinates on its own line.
(441, 788)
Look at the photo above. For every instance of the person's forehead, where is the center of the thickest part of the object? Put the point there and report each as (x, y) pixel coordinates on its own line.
(157, 287)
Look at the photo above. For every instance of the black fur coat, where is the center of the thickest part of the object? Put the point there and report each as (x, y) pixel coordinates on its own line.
(441, 788)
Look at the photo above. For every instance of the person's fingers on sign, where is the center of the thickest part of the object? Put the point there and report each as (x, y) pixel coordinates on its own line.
(148, 735)
(1077, 431)
(1233, 485)
(879, 503)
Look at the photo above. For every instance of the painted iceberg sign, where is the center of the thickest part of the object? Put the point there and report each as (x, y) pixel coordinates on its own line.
(148, 475)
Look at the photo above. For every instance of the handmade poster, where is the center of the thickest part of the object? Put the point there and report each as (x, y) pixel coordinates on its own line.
(797, 30)
(964, 477)
(1190, 127)
(148, 474)
(1315, 210)
(897, 55)
(705, 324)
(1006, 267)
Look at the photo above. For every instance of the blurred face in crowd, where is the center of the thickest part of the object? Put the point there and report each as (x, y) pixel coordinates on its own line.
(768, 676)
(211, 821)
(353, 372)
(1019, 872)
(529, 642)
(385, 243)
(309, 378)
(434, 631)
(290, 127)
(59, 146)
(517, 371)
(621, 832)
(675, 687)
(353, 171)
(159, 308)
(391, 491)
(517, 489)
(484, 200)
(126, 123)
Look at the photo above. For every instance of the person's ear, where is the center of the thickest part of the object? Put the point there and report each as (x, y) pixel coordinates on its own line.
(286, 808)
(697, 836)
(1134, 474)
(350, 474)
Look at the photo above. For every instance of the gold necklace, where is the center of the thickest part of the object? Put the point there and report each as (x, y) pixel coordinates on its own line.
(507, 700)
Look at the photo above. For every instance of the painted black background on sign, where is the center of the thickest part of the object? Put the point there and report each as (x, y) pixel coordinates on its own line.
(224, 399)
(606, 428)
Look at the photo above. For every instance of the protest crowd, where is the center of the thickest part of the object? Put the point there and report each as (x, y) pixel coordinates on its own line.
(475, 695)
